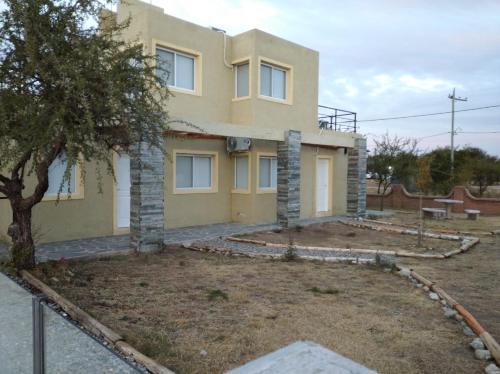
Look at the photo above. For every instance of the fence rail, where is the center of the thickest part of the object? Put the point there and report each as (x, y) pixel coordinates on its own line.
(336, 119)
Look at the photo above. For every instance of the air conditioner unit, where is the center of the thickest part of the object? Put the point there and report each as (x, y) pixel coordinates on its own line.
(235, 144)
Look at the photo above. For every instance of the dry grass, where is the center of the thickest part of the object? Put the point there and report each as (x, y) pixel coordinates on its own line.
(458, 222)
(337, 235)
(172, 307)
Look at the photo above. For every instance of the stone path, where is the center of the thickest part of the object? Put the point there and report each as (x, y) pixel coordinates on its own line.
(109, 244)
(68, 349)
(251, 248)
(302, 357)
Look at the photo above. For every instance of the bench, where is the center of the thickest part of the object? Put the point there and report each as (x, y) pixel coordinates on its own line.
(434, 213)
(472, 214)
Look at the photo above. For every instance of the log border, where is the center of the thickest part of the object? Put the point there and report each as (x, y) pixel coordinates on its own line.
(94, 326)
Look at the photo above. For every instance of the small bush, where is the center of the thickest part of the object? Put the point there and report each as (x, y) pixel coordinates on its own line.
(217, 294)
(143, 284)
(299, 228)
(351, 234)
(290, 254)
(328, 291)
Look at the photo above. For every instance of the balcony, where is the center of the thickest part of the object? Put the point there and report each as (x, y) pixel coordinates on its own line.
(336, 119)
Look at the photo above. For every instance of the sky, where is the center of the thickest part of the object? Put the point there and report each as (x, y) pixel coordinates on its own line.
(386, 58)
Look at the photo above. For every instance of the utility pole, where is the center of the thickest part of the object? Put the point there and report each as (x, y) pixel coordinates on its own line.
(453, 98)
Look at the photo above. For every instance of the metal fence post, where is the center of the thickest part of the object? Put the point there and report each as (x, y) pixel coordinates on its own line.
(38, 336)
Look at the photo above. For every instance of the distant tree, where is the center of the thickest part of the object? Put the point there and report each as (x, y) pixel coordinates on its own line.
(67, 88)
(480, 169)
(393, 157)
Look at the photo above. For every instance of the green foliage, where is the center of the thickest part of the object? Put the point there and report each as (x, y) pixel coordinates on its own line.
(424, 177)
(67, 86)
(217, 294)
(327, 291)
(472, 165)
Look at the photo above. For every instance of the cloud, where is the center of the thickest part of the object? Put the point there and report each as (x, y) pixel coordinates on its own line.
(350, 89)
(232, 16)
(426, 84)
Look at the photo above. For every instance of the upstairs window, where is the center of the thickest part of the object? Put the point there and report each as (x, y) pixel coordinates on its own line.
(176, 69)
(273, 81)
(242, 80)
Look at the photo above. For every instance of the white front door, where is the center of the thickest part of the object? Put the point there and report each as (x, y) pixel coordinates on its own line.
(322, 185)
(122, 191)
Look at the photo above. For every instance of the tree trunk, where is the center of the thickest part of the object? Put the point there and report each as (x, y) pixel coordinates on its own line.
(382, 201)
(23, 247)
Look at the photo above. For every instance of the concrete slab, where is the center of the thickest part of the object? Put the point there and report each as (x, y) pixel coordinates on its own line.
(68, 349)
(302, 357)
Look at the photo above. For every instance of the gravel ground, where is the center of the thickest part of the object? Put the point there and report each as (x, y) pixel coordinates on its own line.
(250, 248)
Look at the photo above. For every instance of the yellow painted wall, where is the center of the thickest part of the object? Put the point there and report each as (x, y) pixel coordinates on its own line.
(198, 208)
(91, 216)
(215, 104)
(255, 207)
(338, 180)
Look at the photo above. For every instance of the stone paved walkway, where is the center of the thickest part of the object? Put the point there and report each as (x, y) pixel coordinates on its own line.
(111, 244)
(328, 255)
(67, 348)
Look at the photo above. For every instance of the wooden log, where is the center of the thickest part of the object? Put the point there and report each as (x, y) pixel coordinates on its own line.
(469, 319)
(452, 253)
(492, 345)
(421, 279)
(243, 240)
(75, 312)
(451, 302)
(418, 255)
(144, 360)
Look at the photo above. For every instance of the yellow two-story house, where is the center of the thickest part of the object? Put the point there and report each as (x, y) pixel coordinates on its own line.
(245, 144)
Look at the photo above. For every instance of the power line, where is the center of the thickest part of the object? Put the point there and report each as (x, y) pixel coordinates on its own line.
(431, 136)
(478, 132)
(427, 114)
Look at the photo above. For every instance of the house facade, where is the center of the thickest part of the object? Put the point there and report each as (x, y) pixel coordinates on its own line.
(244, 145)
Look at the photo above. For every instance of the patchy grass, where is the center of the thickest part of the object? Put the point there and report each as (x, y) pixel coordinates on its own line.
(364, 313)
(334, 234)
(458, 222)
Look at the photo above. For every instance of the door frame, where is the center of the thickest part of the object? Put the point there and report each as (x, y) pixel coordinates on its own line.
(117, 230)
(329, 212)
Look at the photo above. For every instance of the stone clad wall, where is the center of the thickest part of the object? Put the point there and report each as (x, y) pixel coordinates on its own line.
(147, 176)
(288, 210)
(356, 179)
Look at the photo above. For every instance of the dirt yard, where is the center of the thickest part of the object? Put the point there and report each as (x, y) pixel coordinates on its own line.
(334, 234)
(459, 222)
(471, 278)
(205, 313)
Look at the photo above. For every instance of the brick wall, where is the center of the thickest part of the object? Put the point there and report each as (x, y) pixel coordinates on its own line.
(399, 198)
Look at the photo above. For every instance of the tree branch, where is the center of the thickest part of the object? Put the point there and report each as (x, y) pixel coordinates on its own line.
(24, 159)
(42, 174)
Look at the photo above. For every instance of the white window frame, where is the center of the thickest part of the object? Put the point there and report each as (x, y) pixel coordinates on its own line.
(77, 194)
(175, 53)
(271, 189)
(213, 171)
(273, 69)
(236, 66)
(276, 65)
(246, 190)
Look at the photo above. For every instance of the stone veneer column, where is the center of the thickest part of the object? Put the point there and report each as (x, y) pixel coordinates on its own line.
(289, 179)
(356, 179)
(147, 209)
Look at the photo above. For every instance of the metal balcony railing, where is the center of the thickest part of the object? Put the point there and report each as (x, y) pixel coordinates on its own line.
(336, 119)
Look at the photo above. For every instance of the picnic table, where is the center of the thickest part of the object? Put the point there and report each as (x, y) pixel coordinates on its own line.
(448, 204)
